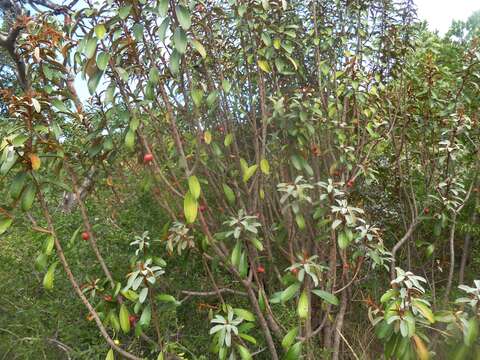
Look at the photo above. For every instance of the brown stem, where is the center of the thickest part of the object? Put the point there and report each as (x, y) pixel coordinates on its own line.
(74, 282)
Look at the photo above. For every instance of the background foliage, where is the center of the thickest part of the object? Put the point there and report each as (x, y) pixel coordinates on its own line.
(247, 180)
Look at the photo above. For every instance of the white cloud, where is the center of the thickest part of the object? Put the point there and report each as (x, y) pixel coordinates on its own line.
(440, 13)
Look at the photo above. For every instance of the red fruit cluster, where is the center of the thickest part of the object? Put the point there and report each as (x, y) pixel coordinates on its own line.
(85, 236)
(147, 158)
(260, 269)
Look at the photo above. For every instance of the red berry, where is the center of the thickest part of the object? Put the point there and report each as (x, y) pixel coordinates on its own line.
(221, 129)
(426, 210)
(260, 269)
(132, 319)
(294, 271)
(202, 208)
(350, 183)
(147, 158)
(107, 298)
(85, 236)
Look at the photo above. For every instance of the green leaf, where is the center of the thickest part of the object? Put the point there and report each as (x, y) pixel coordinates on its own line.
(110, 355)
(194, 186)
(153, 75)
(113, 320)
(289, 292)
(93, 82)
(200, 48)
(424, 310)
(296, 162)
(244, 314)
(124, 320)
(102, 60)
(264, 65)
(109, 94)
(190, 207)
(267, 40)
(212, 98)
(383, 329)
(166, 298)
(146, 316)
(49, 277)
(228, 140)
(48, 245)
(100, 31)
(277, 43)
(226, 85)
(248, 338)
(207, 136)
(328, 297)
(257, 243)
(41, 262)
(28, 197)
(180, 40)
(243, 165)
(130, 295)
(59, 105)
(303, 305)
(197, 96)
(162, 29)
(471, 332)
(243, 352)
(138, 31)
(229, 194)
(235, 257)
(130, 139)
(249, 172)
(300, 220)
(122, 73)
(183, 16)
(243, 264)
(5, 224)
(429, 250)
(289, 338)
(162, 7)
(343, 240)
(388, 295)
(90, 48)
(124, 11)
(175, 62)
(294, 352)
(242, 9)
(265, 166)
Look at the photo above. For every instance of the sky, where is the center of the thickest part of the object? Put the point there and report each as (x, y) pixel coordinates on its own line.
(440, 13)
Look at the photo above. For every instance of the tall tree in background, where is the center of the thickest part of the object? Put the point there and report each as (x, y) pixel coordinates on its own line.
(303, 151)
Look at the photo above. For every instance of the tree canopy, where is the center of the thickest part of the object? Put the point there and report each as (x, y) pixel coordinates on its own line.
(304, 172)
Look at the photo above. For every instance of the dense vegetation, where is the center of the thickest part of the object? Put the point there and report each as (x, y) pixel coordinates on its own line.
(249, 180)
